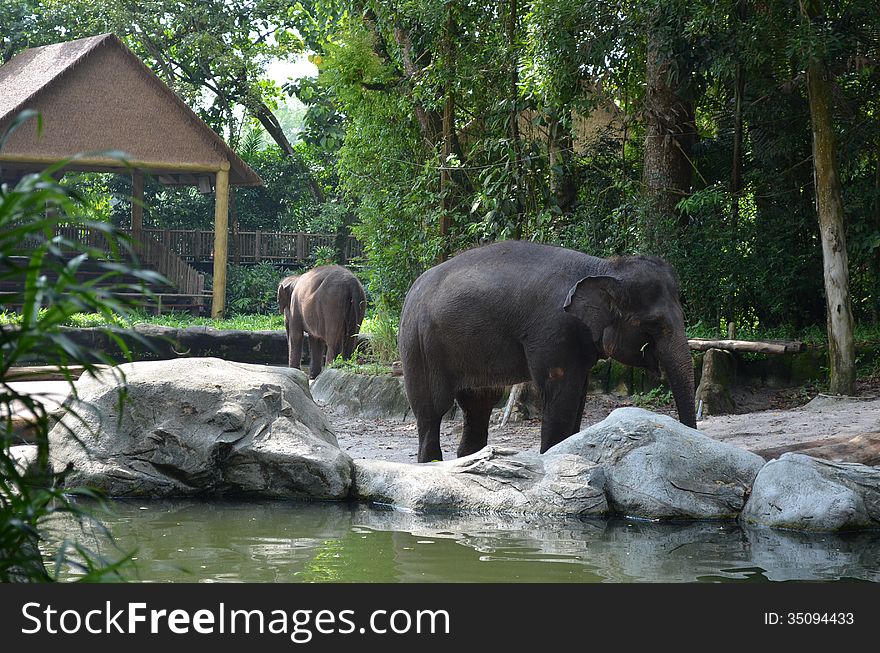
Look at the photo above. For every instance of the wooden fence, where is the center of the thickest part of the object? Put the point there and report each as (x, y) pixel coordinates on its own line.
(188, 282)
(252, 246)
(291, 247)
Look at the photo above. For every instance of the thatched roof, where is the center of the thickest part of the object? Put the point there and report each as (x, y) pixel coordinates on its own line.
(95, 95)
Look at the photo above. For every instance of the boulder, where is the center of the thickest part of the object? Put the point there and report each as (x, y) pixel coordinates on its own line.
(716, 381)
(364, 395)
(199, 426)
(25, 458)
(804, 493)
(493, 480)
(657, 468)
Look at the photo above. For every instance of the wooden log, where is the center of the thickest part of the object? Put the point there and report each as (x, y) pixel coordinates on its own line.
(863, 448)
(751, 346)
(44, 373)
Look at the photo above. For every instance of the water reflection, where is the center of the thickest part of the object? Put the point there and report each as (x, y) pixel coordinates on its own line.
(297, 542)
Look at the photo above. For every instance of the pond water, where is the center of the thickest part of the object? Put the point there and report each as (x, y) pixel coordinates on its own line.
(187, 541)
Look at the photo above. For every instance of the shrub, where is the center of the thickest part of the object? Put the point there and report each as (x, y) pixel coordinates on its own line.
(45, 266)
(253, 288)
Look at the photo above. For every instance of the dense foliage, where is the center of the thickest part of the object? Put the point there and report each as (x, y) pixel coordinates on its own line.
(551, 111)
(45, 268)
(679, 128)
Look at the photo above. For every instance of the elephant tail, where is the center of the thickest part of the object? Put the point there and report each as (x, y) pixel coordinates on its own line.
(354, 316)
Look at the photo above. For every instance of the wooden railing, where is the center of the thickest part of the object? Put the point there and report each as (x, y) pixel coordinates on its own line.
(252, 246)
(184, 277)
(290, 247)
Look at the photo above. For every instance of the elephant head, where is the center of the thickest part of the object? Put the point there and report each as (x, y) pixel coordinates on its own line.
(285, 292)
(634, 315)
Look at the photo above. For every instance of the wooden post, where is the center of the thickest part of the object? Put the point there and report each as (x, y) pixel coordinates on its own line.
(137, 204)
(221, 227)
(256, 247)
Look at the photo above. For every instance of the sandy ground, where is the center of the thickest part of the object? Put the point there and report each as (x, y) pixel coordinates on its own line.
(773, 418)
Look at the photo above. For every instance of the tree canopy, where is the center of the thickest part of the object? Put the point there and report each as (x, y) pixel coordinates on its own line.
(680, 128)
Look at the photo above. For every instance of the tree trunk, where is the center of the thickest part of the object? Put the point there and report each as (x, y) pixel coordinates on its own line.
(430, 122)
(829, 206)
(563, 183)
(340, 241)
(270, 123)
(513, 119)
(446, 180)
(876, 314)
(670, 133)
(736, 169)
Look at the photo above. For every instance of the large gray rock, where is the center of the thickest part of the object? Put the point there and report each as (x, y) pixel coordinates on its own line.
(365, 395)
(25, 457)
(804, 493)
(492, 480)
(199, 426)
(657, 468)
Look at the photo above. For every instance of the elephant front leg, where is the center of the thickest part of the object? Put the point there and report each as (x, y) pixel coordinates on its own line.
(576, 427)
(564, 396)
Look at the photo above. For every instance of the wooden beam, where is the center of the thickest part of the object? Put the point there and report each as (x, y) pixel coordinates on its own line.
(221, 236)
(111, 163)
(137, 203)
(751, 346)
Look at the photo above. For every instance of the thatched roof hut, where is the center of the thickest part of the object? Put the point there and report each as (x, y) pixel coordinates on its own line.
(95, 95)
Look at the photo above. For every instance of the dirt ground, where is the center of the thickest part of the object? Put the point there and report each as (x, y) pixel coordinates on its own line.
(766, 418)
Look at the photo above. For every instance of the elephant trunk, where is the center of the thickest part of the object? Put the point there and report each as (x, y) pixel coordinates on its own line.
(679, 367)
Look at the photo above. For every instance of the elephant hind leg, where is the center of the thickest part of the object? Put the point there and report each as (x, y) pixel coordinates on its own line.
(294, 328)
(477, 405)
(430, 400)
(317, 347)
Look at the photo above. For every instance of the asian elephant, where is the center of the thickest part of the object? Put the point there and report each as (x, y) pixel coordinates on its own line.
(515, 311)
(328, 303)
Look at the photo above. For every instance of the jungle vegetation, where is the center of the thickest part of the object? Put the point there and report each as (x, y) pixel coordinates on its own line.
(719, 135)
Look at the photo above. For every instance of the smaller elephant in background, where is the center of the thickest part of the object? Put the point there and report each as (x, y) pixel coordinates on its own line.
(328, 303)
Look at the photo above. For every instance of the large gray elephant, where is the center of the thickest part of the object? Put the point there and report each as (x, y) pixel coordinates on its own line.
(516, 311)
(328, 303)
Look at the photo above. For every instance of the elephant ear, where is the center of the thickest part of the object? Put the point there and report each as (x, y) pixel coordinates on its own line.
(595, 300)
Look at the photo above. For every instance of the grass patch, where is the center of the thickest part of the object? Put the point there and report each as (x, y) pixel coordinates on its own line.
(360, 364)
(176, 320)
(654, 398)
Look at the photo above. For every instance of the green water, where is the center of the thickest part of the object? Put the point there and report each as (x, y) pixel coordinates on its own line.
(186, 541)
